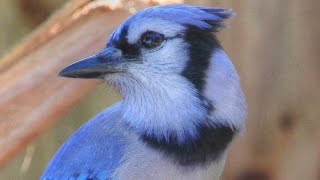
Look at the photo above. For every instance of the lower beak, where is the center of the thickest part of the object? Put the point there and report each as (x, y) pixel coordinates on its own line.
(96, 66)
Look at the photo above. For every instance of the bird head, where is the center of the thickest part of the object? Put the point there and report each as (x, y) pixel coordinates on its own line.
(161, 39)
(171, 70)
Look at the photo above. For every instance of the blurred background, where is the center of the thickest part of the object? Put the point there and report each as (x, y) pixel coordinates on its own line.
(275, 46)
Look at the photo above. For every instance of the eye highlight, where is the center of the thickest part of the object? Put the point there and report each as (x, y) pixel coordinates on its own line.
(151, 39)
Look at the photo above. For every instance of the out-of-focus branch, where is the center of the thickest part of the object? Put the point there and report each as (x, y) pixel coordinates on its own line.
(46, 31)
(32, 96)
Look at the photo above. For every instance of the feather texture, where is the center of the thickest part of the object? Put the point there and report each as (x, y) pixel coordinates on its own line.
(182, 104)
(94, 151)
(202, 17)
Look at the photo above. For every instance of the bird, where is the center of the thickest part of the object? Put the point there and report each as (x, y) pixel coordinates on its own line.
(182, 103)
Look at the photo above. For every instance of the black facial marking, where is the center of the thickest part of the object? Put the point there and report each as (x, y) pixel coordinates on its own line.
(210, 107)
(212, 140)
(202, 44)
(210, 144)
(206, 103)
(128, 50)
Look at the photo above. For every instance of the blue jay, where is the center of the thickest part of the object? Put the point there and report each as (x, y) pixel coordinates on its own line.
(182, 101)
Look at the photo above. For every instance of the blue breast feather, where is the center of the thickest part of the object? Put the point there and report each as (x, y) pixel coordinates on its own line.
(92, 152)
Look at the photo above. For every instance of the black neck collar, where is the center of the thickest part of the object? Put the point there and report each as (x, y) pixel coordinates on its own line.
(211, 142)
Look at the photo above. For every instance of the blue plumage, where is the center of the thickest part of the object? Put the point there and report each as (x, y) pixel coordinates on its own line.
(207, 18)
(201, 17)
(94, 151)
(182, 102)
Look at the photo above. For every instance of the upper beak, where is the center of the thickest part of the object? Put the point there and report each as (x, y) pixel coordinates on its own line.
(96, 66)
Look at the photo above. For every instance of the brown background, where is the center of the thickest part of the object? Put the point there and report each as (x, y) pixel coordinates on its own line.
(275, 46)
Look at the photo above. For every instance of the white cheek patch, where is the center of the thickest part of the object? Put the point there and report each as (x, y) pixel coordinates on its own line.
(172, 57)
(141, 25)
(223, 89)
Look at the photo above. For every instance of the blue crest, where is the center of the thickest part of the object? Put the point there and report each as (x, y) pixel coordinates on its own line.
(206, 18)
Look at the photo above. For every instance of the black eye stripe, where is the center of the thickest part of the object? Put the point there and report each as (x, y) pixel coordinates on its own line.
(175, 37)
(133, 50)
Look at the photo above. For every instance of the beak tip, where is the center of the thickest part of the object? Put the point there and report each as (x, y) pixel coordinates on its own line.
(65, 73)
(61, 74)
(92, 67)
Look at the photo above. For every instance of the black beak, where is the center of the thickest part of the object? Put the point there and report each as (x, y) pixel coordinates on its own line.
(96, 66)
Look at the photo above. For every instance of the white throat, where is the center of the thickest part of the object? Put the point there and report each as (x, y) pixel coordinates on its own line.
(167, 105)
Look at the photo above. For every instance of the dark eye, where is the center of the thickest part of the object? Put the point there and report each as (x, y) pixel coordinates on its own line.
(151, 39)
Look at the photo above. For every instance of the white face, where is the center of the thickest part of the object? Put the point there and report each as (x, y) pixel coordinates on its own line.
(166, 59)
(155, 86)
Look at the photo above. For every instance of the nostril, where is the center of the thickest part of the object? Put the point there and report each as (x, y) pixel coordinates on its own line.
(108, 54)
(102, 59)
